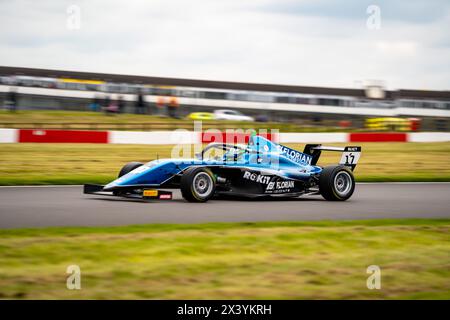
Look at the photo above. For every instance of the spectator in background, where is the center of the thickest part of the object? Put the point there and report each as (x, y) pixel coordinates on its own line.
(160, 105)
(172, 107)
(95, 104)
(11, 100)
(317, 119)
(120, 104)
(140, 104)
(106, 102)
(112, 106)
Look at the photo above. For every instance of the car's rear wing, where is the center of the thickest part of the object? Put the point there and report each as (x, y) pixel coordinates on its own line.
(350, 154)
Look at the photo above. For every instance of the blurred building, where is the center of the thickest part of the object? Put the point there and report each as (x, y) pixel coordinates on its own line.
(67, 90)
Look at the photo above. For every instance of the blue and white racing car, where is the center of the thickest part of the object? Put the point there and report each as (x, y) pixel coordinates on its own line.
(261, 168)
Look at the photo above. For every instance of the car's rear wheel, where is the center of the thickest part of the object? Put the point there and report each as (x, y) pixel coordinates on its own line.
(336, 183)
(130, 166)
(197, 184)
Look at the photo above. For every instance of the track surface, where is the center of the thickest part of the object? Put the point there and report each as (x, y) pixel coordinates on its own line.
(67, 206)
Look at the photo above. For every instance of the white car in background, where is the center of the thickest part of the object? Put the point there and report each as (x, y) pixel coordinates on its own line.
(231, 115)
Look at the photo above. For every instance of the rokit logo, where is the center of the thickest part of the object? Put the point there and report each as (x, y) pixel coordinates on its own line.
(283, 186)
(259, 178)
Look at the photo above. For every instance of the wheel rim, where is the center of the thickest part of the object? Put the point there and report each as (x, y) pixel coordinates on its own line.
(343, 183)
(202, 184)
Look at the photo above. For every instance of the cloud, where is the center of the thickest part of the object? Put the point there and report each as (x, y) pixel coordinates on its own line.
(414, 11)
(317, 43)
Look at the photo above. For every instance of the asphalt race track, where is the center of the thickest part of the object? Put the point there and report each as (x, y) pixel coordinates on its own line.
(67, 206)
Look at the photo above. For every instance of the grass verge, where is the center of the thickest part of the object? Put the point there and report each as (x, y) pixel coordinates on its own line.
(28, 164)
(58, 119)
(273, 260)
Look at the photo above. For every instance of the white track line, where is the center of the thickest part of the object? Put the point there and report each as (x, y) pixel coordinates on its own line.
(80, 185)
(45, 186)
(405, 182)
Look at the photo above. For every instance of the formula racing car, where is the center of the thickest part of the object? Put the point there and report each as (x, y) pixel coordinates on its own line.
(261, 168)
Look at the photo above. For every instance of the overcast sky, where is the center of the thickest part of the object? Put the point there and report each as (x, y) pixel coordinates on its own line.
(314, 43)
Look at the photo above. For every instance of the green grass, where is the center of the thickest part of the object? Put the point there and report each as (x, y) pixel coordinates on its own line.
(58, 119)
(28, 163)
(273, 260)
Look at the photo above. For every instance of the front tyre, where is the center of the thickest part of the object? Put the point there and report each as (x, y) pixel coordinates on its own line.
(130, 166)
(197, 184)
(336, 183)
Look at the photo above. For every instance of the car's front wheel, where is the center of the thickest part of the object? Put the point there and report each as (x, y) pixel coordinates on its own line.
(336, 183)
(130, 166)
(197, 184)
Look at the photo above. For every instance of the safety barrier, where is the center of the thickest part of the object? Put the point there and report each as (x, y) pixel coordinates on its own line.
(191, 137)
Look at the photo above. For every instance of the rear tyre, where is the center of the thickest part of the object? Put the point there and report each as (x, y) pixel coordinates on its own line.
(130, 166)
(336, 183)
(197, 184)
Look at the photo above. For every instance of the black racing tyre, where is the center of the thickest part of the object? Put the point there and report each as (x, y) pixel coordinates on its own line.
(197, 184)
(336, 183)
(130, 166)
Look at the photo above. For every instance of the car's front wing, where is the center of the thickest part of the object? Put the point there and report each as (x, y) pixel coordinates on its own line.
(145, 194)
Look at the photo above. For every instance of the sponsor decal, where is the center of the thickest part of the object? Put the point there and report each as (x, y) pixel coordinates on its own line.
(295, 155)
(270, 186)
(280, 186)
(259, 178)
(150, 193)
(165, 196)
(283, 186)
